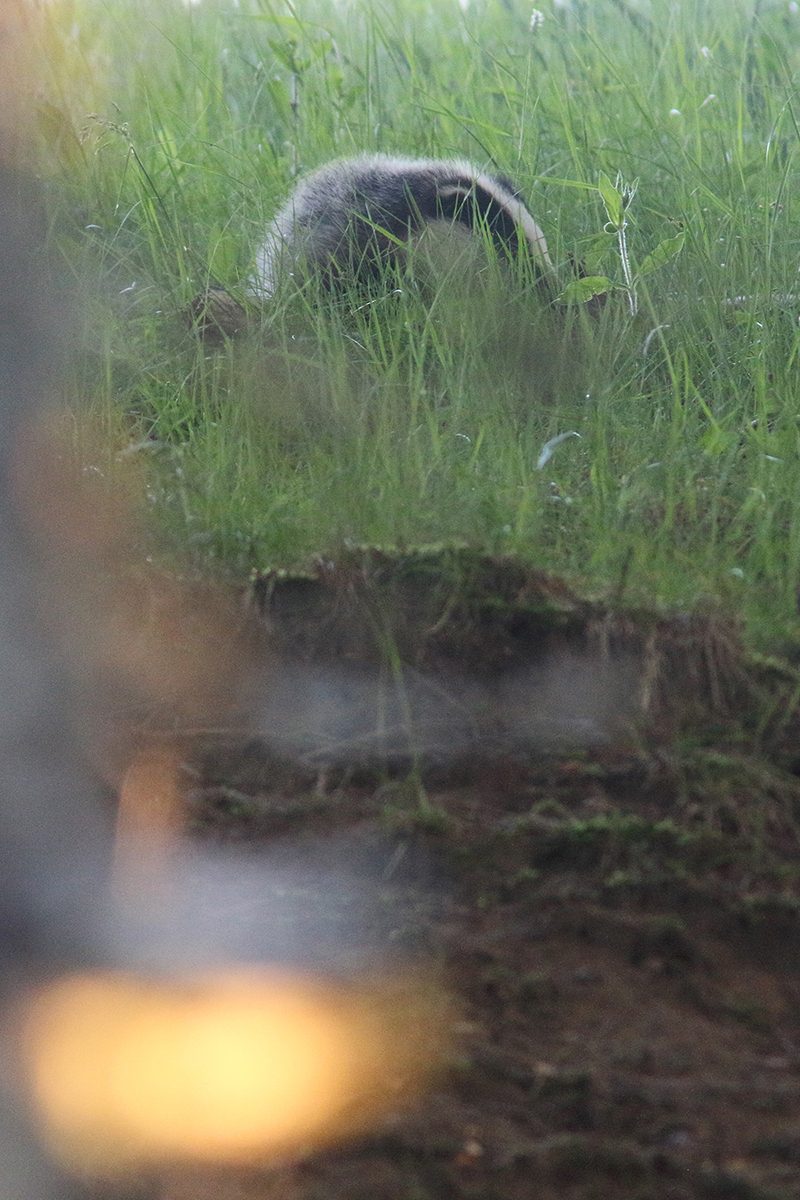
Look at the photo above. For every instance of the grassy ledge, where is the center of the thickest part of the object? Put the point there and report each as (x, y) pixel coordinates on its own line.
(419, 415)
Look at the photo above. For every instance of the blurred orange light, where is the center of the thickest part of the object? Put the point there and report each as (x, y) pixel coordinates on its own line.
(240, 1068)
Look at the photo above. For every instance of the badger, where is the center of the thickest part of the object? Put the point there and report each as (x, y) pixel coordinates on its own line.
(349, 218)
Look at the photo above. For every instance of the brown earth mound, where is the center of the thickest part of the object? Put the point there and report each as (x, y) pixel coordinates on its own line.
(586, 818)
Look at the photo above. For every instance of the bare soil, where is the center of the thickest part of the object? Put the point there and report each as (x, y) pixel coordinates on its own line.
(611, 899)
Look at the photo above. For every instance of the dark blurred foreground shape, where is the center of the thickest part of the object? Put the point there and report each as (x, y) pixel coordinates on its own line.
(107, 982)
(54, 840)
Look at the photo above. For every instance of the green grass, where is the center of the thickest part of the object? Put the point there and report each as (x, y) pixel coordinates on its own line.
(172, 133)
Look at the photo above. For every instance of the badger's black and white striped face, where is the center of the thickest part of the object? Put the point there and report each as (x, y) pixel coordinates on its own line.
(356, 214)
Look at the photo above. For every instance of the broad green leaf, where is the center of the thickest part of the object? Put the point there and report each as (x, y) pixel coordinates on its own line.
(663, 252)
(581, 290)
(611, 198)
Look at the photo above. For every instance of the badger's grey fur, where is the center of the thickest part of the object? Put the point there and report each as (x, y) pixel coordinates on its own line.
(353, 215)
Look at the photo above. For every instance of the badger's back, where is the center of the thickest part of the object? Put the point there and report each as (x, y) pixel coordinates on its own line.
(353, 215)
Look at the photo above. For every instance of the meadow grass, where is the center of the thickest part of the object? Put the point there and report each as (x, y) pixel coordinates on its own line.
(416, 413)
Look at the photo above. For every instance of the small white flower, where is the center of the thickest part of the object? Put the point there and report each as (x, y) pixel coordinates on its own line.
(537, 19)
(794, 6)
(706, 53)
(674, 112)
